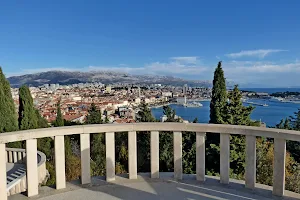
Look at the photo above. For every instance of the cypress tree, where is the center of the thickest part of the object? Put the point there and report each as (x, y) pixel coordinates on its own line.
(94, 115)
(219, 96)
(295, 120)
(97, 144)
(42, 122)
(143, 139)
(27, 114)
(144, 114)
(59, 121)
(217, 114)
(8, 116)
(235, 113)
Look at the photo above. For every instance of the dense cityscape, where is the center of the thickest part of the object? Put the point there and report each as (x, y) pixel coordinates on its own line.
(117, 103)
(120, 103)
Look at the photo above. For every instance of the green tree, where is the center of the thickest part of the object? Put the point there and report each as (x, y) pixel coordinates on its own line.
(97, 144)
(189, 151)
(265, 158)
(170, 113)
(143, 139)
(94, 115)
(59, 121)
(8, 116)
(292, 123)
(73, 166)
(235, 112)
(106, 120)
(217, 114)
(98, 157)
(28, 118)
(219, 96)
(284, 124)
(295, 120)
(42, 122)
(144, 114)
(166, 158)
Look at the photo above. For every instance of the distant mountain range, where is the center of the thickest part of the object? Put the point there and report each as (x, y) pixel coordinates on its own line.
(106, 77)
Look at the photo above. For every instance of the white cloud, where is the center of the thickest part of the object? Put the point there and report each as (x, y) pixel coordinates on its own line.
(260, 53)
(186, 59)
(263, 73)
(160, 68)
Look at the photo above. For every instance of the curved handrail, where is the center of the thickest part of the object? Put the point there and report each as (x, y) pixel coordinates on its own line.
(22, 172)
(192, 127)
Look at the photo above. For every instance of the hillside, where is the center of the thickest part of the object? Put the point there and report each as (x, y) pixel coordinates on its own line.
(106, 77)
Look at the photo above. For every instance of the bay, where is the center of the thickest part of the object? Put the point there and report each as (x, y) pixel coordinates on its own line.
(271, 114)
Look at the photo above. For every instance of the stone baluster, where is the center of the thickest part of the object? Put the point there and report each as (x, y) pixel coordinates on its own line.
(10, 156)
(200, 156)
(132, 155)
(15, 156)
(154, 148)
(60, 172)
(32, 169)
(250, 176)
(110, 156)
(3, 155)
(177, 146)
(224, 157)
(279, 166)
(85, 158)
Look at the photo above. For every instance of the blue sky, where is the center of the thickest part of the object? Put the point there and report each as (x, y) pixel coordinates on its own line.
(258, 41)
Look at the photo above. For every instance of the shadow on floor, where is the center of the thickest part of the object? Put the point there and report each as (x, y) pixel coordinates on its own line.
(146, 188)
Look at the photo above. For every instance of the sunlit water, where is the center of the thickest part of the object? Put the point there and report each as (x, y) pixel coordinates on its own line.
(271, 115)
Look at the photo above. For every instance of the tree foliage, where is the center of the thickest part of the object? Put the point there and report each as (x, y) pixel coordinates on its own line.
(292, 123)
(235, 113)
(59, 121)
(41, 121)
(28, 118)
(144, 114)
(94, 115)
(143, 139)
(97, 143)
(219, 96)
(8, 116)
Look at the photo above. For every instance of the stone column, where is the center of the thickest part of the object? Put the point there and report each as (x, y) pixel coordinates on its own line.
(224, 157)
(3, 194)
(60, 169)
(250, 176)
(279, 166)
(32, 169)
(85, 158)
(15, 156)
(177, 145)
(200, 156)
(154, 148)
(10, 156)
(110, 156)
(132, 155)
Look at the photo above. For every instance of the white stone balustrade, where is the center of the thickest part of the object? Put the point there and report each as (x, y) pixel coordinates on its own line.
(280, 136)
(16, 159)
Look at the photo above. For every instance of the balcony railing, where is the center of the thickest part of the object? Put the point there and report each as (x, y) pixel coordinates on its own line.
(280, 137)
(16, 159)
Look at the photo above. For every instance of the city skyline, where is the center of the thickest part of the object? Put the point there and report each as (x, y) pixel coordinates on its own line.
(182, 40)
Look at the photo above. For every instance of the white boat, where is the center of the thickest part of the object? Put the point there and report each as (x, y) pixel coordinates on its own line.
(193, 104)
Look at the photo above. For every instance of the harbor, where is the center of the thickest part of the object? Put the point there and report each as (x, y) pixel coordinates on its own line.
(271, 114)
